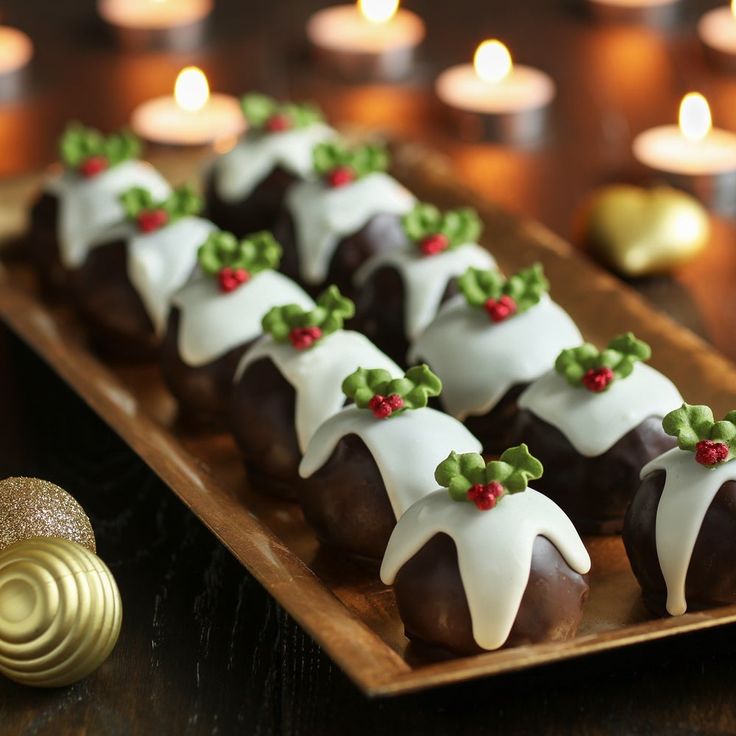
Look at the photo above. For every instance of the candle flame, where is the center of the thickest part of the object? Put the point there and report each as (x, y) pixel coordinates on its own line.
(191, 90)
(492, 61)
(378, 11)
(733, 8)
(695, 119)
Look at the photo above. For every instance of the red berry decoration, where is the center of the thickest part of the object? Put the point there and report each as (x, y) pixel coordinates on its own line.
(384, 406)
(485, 495)
(434, 244)
(151, 220)
(304, 337)
(278, 123)
(708, 452)
(501, 308)
(231, 278)
(93, 165)
(340, 176)
(597, 379)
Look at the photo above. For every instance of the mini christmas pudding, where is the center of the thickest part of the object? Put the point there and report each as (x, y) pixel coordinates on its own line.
(289, 382)
(215, 317)
(680, 530)
(400, 290)
(352, 211)
(508, 332)
(594, 421)
(123, 287)
(488, 562)
(81, 199)
(368, 463)
(246, 186)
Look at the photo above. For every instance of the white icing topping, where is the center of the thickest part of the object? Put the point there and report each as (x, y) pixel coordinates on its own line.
(479, 361)
(161, 262)
(241, 169)
(425, 278)
(317, 374)
(689, 490)
(407, 448)
(494, 551)
(323, 216)
(594, 422)
(87, 207)
(213, 322)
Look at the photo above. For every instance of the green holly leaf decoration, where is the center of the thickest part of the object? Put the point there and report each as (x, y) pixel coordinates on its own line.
(713, 442)
(255, 253)
(266, 113)
(595, 369)
(459, 226)
(293, 323)
(511, 473)
(362, 160)
(524, 288)
(80, 145)
(182, 202)
(385, 396)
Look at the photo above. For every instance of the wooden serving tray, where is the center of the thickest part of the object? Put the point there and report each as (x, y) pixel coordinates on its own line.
(343, 606)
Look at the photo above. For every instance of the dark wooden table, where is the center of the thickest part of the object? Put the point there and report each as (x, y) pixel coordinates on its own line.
(203, 649)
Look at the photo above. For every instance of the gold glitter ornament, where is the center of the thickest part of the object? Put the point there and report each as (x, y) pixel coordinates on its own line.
(60, 612)
(30, 507)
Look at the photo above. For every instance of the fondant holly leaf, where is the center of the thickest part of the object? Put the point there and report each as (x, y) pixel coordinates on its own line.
(696, 431)
(434, 231)
(469, 478)
(595, 369)
(503, 297)
(385, 396)
(90, 152)
(266, 113)
(140, 205)
(254, 253)
(303, 327)
(341, 164)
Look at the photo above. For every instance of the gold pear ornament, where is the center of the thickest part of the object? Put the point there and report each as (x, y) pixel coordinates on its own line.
(60, 612)
(640, 232)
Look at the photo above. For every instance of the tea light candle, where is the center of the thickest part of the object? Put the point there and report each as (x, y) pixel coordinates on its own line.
(717, 31)
(192, 117)
(693, 154)
(495, 99)
(16, 51)
(177, 23)
(374, 39)
(646, 12)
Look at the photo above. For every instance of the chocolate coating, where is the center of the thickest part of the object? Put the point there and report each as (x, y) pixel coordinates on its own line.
(259, 210)
(434, 609)
(42, 244)
(593, 491)
(110, 306)
(203, 391)
(711, 576)
(381, 233)
(497, 429)
(347, 504)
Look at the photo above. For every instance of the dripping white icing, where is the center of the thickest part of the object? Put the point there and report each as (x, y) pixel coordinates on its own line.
(161, 262)
(689, 490)
(494, 551)
(479, 361)
(406, 448)
(317, 374)
(87, 207)
(212, 322)
(592, 422)
(241, 169)
(425, 278)
(323, 216)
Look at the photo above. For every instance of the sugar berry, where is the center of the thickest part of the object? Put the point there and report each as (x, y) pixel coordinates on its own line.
(384, 406)
(340, 176)
(231, 278)
(708, 452)
(485, 495)
(597, 379)
(93, 165)
(304, 337)
(501, 308)
(434, 244)
(278, 123)
(151, 220)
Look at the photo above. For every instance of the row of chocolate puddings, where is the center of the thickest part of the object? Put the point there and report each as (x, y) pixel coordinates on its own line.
(502, 321)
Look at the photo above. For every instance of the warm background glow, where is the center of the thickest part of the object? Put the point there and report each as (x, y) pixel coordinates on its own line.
(695, 119)
(492, 61)
(378, 11)
(191, 90)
